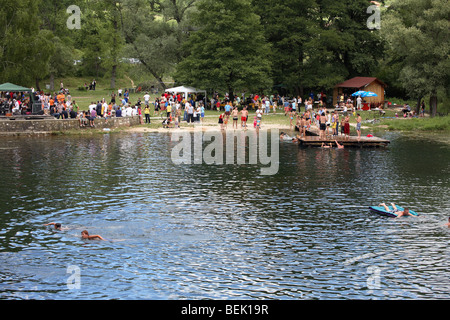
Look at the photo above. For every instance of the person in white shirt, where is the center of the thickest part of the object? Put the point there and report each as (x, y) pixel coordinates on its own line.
(190, 112)
(128, 111)
(358, 103)
(16, 107)
(104, 108)
(92, 106)
(259, 112)
(267, 105)
(194, 115)
(147, 99)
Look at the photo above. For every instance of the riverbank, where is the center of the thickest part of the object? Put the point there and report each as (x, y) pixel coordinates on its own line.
(373, 121)
(51, 126)
(436, 124)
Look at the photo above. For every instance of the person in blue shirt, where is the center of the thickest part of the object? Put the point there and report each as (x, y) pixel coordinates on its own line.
(227, 112)
(202, 112)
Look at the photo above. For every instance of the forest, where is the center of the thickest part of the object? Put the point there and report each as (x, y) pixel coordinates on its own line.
(260, 46)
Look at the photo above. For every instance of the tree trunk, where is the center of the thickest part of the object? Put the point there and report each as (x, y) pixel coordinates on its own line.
(433, 103)
(52, 81)
(301, 91)
(113, 76)
(114, 53)
(37, 85)
(418, 105)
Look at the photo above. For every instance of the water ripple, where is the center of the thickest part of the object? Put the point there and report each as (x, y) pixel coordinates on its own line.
(220, 232)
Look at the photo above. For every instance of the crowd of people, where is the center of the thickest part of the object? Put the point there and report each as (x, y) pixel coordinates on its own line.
(177, 108)
(17, 103)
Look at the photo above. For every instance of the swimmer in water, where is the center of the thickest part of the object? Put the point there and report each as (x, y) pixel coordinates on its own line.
(85, 235)
(397, 212)
(448, 224)
(339, 146)
(57, 225)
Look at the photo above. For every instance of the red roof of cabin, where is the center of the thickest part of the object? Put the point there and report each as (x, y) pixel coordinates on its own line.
(359, 82)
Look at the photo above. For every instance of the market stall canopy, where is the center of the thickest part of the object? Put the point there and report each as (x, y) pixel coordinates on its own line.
(186, 90)
(10, 87)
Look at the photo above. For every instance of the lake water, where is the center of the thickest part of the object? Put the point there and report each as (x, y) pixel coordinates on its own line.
(221, 231)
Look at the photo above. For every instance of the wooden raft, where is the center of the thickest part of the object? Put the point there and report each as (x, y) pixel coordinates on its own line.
(312, 140)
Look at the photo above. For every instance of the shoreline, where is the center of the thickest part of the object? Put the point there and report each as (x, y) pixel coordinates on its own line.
(26, 128)
(201, 127)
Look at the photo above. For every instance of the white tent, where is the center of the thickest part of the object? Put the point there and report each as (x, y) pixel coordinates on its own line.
(185, 90)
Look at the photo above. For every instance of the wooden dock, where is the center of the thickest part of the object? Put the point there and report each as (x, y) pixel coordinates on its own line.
(312, 140)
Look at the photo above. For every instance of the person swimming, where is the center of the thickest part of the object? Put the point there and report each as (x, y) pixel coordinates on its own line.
(396, 211)
(85, 235)
(448, 224)
(339, 146)
(285, 136)
(56, 225)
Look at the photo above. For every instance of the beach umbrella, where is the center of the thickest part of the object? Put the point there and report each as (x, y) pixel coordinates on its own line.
(358, 93)
(369, 94)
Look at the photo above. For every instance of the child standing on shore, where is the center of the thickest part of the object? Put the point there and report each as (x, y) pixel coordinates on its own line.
(221, 120)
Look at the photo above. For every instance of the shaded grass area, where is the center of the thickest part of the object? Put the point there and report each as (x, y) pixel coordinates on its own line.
(421, 124)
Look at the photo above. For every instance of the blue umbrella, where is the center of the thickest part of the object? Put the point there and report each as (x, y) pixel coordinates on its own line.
(358, 93)
(369, 94)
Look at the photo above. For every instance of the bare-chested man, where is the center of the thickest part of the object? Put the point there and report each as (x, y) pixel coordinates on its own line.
(303, 125)
(358, 125)
(244, 117)
(308, 118)
(234, 114)
(322, 125)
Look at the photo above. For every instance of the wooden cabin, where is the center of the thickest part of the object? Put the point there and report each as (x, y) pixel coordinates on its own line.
(361, 83)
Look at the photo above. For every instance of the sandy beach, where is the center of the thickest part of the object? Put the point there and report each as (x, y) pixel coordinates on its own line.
(205, 127)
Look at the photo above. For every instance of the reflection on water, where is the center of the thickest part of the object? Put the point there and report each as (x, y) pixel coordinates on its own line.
(221, 232)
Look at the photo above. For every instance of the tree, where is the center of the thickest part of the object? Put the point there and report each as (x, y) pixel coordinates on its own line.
(288, 28)
(154, 32)
(25, 50)
(53, 16)
(318, 43)
(112, 36)
(228, 51)
(101, 38)
(418, 33)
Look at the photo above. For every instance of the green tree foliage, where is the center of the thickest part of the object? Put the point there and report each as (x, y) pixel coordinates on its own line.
(418, 34)
(154, 32)
(228, 51)
(288, 28)
(318, 43)
(53, 19)
(25, 49)
(101, 38)
(232, 45)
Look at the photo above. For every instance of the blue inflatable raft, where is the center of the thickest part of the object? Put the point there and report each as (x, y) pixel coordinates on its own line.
(382, 210)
